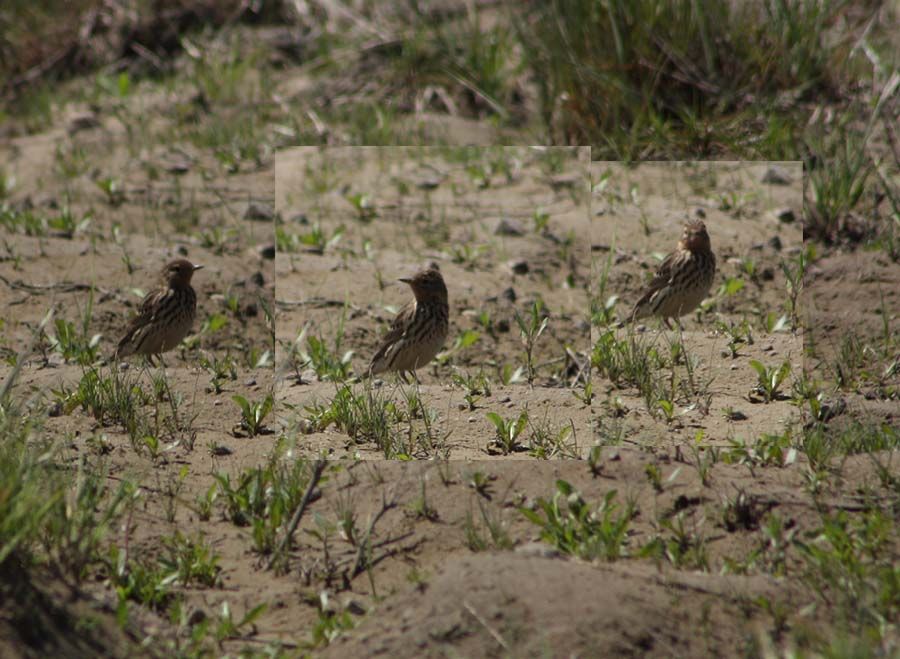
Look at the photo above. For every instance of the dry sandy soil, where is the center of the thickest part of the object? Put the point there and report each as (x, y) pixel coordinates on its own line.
(638, 214)
(508, 227)
(697, 522)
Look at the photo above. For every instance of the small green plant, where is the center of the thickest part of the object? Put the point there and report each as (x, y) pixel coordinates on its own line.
(315, 241)
(254, 413)
(738, 334)
(654, 477)
(190, 561)
(794, 277)
(767, 449)
(328, 363)
(540, 217)
(681, 546)
(474, 386)
(492, 521)
(365, 209)
(667, 408)
(220, 371)
(112, 188)
(586, 395)
(507, 432)
(467, 254)
(547, 441)
(571, 525)
(770, 379)
(331, 622)
(530, 329)
(509, 374)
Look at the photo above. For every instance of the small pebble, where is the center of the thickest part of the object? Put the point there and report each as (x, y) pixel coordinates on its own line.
(518, 266)
(776, 176)
(785, 215)
(84, 121)
(508, 227)
(259, 212)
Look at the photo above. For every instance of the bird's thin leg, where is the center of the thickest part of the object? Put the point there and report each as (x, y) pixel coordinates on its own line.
(403, 376)
(668, 324)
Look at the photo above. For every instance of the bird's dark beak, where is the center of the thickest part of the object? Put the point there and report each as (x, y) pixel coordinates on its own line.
(405, 280)
(197, 267)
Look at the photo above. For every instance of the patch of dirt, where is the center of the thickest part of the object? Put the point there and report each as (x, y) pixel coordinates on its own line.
(41, 617)
(638, 214)
(491, 605)
(508, 228)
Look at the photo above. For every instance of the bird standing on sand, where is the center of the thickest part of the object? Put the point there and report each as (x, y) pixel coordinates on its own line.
(166, 314)
(683, 278)
(419, 330)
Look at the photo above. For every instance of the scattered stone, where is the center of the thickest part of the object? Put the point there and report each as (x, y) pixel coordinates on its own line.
(250, 383)
(83, 121)
(429, 183)
(182, 250)
(561, 181)
(299, 218)
(736, 415)
(785, 215)
(177, 166)
(258, 279)
(503, 326)
(775, 243)
(767, 274)
(259, 212)
(699, 212)
(220, 451)
(508, 227)
(832, 408)
(355, 607)
(251, 310)
(509, 294)
(196, 617)
(518, 266)
(266, 252)
(776, 176)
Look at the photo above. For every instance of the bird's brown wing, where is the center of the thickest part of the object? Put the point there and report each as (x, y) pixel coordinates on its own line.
(398, 328)
(661, 279)
(146, 314)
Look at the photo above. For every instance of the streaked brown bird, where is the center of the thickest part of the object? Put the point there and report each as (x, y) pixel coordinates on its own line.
(419, 330)
(166, 314)
(682, 280)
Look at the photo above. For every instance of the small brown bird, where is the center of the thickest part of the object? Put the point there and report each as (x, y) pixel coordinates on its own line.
(419, 330)
(166, 314)
(683, 278)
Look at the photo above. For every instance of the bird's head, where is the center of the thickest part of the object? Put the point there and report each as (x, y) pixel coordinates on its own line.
(178, 273)
(427, 284)
(695, 238)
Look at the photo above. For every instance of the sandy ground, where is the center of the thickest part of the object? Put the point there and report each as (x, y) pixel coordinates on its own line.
(429, 557)
(637, 218)
(472, 212)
